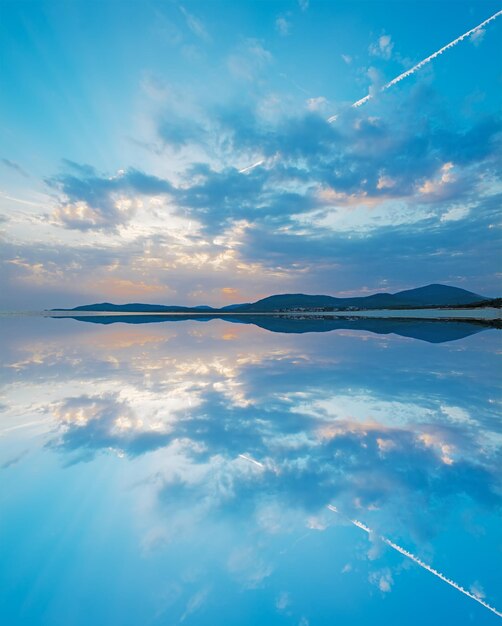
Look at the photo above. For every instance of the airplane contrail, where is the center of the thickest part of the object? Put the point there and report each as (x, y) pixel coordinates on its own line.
(248, 458)
(401, 77)
(251, 167)
(418, 561)
(421, 64)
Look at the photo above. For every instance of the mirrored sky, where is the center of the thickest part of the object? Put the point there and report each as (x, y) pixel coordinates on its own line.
(181, 473)
(209, 152)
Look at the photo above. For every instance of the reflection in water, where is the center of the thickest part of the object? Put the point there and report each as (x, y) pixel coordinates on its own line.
(433, 331)
(419, 562)
(182, 473)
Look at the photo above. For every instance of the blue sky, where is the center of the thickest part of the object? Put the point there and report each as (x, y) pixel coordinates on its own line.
(129, 128)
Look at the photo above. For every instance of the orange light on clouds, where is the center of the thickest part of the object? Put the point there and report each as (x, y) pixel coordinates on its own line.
(229, 293)
(122, 288)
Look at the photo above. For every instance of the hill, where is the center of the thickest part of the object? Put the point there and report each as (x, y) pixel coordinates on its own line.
(429, 296)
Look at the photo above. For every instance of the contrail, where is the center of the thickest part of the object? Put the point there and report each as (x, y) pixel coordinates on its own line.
(21, 201)
(402, 76)
(421, 64)
(25, 425)
(416, 560)
(248, 458)
(251, 167)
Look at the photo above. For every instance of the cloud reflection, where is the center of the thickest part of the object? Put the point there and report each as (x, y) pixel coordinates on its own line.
(266, 430)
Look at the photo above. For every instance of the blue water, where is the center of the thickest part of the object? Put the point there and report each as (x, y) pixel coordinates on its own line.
(181, 472)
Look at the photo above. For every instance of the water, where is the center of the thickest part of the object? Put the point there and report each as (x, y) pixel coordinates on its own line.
(180, 472)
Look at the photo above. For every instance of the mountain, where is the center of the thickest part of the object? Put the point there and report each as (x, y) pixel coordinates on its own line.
(430, 295)
(439, 295)
(234, 307)
(138, 307)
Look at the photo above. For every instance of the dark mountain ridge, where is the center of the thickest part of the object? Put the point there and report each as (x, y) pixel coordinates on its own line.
(434, 295)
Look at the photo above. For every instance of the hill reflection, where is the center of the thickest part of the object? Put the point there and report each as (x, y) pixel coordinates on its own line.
(433, 331)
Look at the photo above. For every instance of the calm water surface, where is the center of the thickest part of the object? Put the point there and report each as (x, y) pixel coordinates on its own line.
(180, 472)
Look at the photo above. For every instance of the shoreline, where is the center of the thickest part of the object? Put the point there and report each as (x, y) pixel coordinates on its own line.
(487, 314)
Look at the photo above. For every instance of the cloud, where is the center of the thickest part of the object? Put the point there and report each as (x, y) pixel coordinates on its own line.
(383, 47)
(405, 185)
(13, 460)
(195, 25)
(130, 418)
(477, 589)
(368, 161)
(249, 568)
(317, 104)
(106, 421)
(303, 4)
(455, 213)
(195, 603)
(249, 60)
(230, 293)
(382, 579)
(176, 131)
(283, 26)
(294, 198)
(391, 164)
(89, 201)
(478, 36)
(283, 601)
(14, 166)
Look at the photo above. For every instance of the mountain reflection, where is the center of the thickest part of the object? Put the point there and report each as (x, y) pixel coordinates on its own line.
(433, 331)
(244, 436)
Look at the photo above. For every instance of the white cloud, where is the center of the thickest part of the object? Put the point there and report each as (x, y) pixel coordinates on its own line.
(383, 47)
(317, 104)
(195, 25)
(477, 36)
(248, 568)
(195, 603)
(382, 579)
(283, 601)
(283, 26)
(249, 60)
(457, 414)
(359, 213)
(455, 214)
(477, 589)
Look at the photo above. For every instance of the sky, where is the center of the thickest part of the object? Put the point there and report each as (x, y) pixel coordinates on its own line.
(208, 153)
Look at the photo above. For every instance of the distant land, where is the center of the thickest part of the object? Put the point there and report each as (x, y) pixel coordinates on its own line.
(435, 296)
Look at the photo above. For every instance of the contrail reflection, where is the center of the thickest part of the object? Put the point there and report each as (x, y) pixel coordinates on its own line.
(418, 561)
